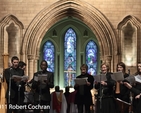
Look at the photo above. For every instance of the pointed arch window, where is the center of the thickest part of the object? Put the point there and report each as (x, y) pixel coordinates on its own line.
(49, 55)
(91, 57)
(69, 57)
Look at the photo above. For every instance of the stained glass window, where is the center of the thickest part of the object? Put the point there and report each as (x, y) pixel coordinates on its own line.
(48, 55)
(70, 57)
(91, 57)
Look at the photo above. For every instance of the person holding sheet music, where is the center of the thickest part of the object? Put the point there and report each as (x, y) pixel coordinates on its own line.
(83, 95)
(16, 87)
(42, 88)
(105, 99)
(124, 92)
(136, 90)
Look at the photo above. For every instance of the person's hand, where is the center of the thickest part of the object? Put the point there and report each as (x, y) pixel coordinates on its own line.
(103, 83)
(26, 80)
(95, 82)
(127, 85)
(120, 82)
(138, 96)
(88, 83)
(16, 79)
(46, 81)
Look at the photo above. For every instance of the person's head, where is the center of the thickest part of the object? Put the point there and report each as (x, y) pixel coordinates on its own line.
(22, 65)
(15, 61)
(43, 65)
(57, 89)
(67, 89)
(84, 69)
(105, 68)
(121, 67)
(139, 68)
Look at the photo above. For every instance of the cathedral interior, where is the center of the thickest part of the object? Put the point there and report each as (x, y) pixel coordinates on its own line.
(68, 33)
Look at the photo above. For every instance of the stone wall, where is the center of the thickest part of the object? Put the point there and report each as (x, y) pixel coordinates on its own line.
(106, 18)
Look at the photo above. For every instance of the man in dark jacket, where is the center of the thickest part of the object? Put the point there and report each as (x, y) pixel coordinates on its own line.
(16, 87)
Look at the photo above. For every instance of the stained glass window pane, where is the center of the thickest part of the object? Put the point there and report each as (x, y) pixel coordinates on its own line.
(70, 57)
(91, 57)
(49, 55)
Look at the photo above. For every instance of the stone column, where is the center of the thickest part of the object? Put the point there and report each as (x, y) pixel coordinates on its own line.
(30, 66)
(108, 60)
(36, 63)
(3, 84)
(5, 60)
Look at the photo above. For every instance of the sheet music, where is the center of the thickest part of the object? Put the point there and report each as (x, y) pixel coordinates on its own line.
(117, 76)
(20, 78)
(100, 77)
(138, 78)
(130, 79)
(42, 78)
(36, 78)
(16, 76)
(24, 78)
(81, 81)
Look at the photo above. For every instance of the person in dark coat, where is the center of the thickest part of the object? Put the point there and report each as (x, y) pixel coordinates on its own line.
(42, 94)
(83, 94)
(105, 98)
(136, 90)
(124, 92)
(17, 86)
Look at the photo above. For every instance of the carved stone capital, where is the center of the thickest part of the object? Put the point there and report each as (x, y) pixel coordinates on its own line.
(108, 58)
(5, 54)
(31, 57)
(37, 57)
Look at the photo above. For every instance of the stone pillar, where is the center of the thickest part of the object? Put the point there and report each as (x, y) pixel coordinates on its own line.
(5, 61)
(108, 60)
(3, 84)
(36, 63)
(30, 66)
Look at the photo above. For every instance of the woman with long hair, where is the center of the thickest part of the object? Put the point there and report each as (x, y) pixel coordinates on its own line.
(124, 92)
(136, 90)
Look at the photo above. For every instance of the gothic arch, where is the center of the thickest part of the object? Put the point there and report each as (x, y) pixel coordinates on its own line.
(8, 22)
(7, 19)
(135, 23)
(92, 17)
(131, 19)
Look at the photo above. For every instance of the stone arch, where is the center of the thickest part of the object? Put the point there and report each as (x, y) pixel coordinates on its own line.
(10, 27)
(92, 17)
(135, 25)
